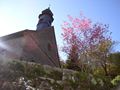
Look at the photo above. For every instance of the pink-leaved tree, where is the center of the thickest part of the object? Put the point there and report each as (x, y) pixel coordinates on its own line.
(85, 41)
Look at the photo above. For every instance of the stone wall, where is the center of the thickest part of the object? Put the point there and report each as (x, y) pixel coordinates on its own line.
(23, 75)
(31, 76)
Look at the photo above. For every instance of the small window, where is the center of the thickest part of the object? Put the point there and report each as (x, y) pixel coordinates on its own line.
(49, 47)
(32, 60)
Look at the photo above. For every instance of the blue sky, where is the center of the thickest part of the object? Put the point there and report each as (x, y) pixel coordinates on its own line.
(17, 15)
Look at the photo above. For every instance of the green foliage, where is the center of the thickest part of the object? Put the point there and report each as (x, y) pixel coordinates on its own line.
(13, 70)
(115, 58)
(17, 67)
(114, 68)
(57, 86)
(103, 81)
(80, 76)
(116, 80)
(33, 71)
(56, 75)
(70, 65)
(98, 71)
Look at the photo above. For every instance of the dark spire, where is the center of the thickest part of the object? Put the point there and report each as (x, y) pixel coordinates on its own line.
(48, 12)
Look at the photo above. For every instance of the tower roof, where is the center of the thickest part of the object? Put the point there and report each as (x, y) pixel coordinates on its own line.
(47, 11)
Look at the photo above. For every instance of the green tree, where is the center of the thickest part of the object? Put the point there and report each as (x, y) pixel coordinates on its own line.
(114, 59)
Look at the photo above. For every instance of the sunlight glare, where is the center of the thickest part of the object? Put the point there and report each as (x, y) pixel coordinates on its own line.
(7, 24)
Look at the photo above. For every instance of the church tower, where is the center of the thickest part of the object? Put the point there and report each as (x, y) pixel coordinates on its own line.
(45, 19)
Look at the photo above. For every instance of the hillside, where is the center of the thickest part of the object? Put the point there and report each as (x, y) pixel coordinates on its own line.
(19, 75)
